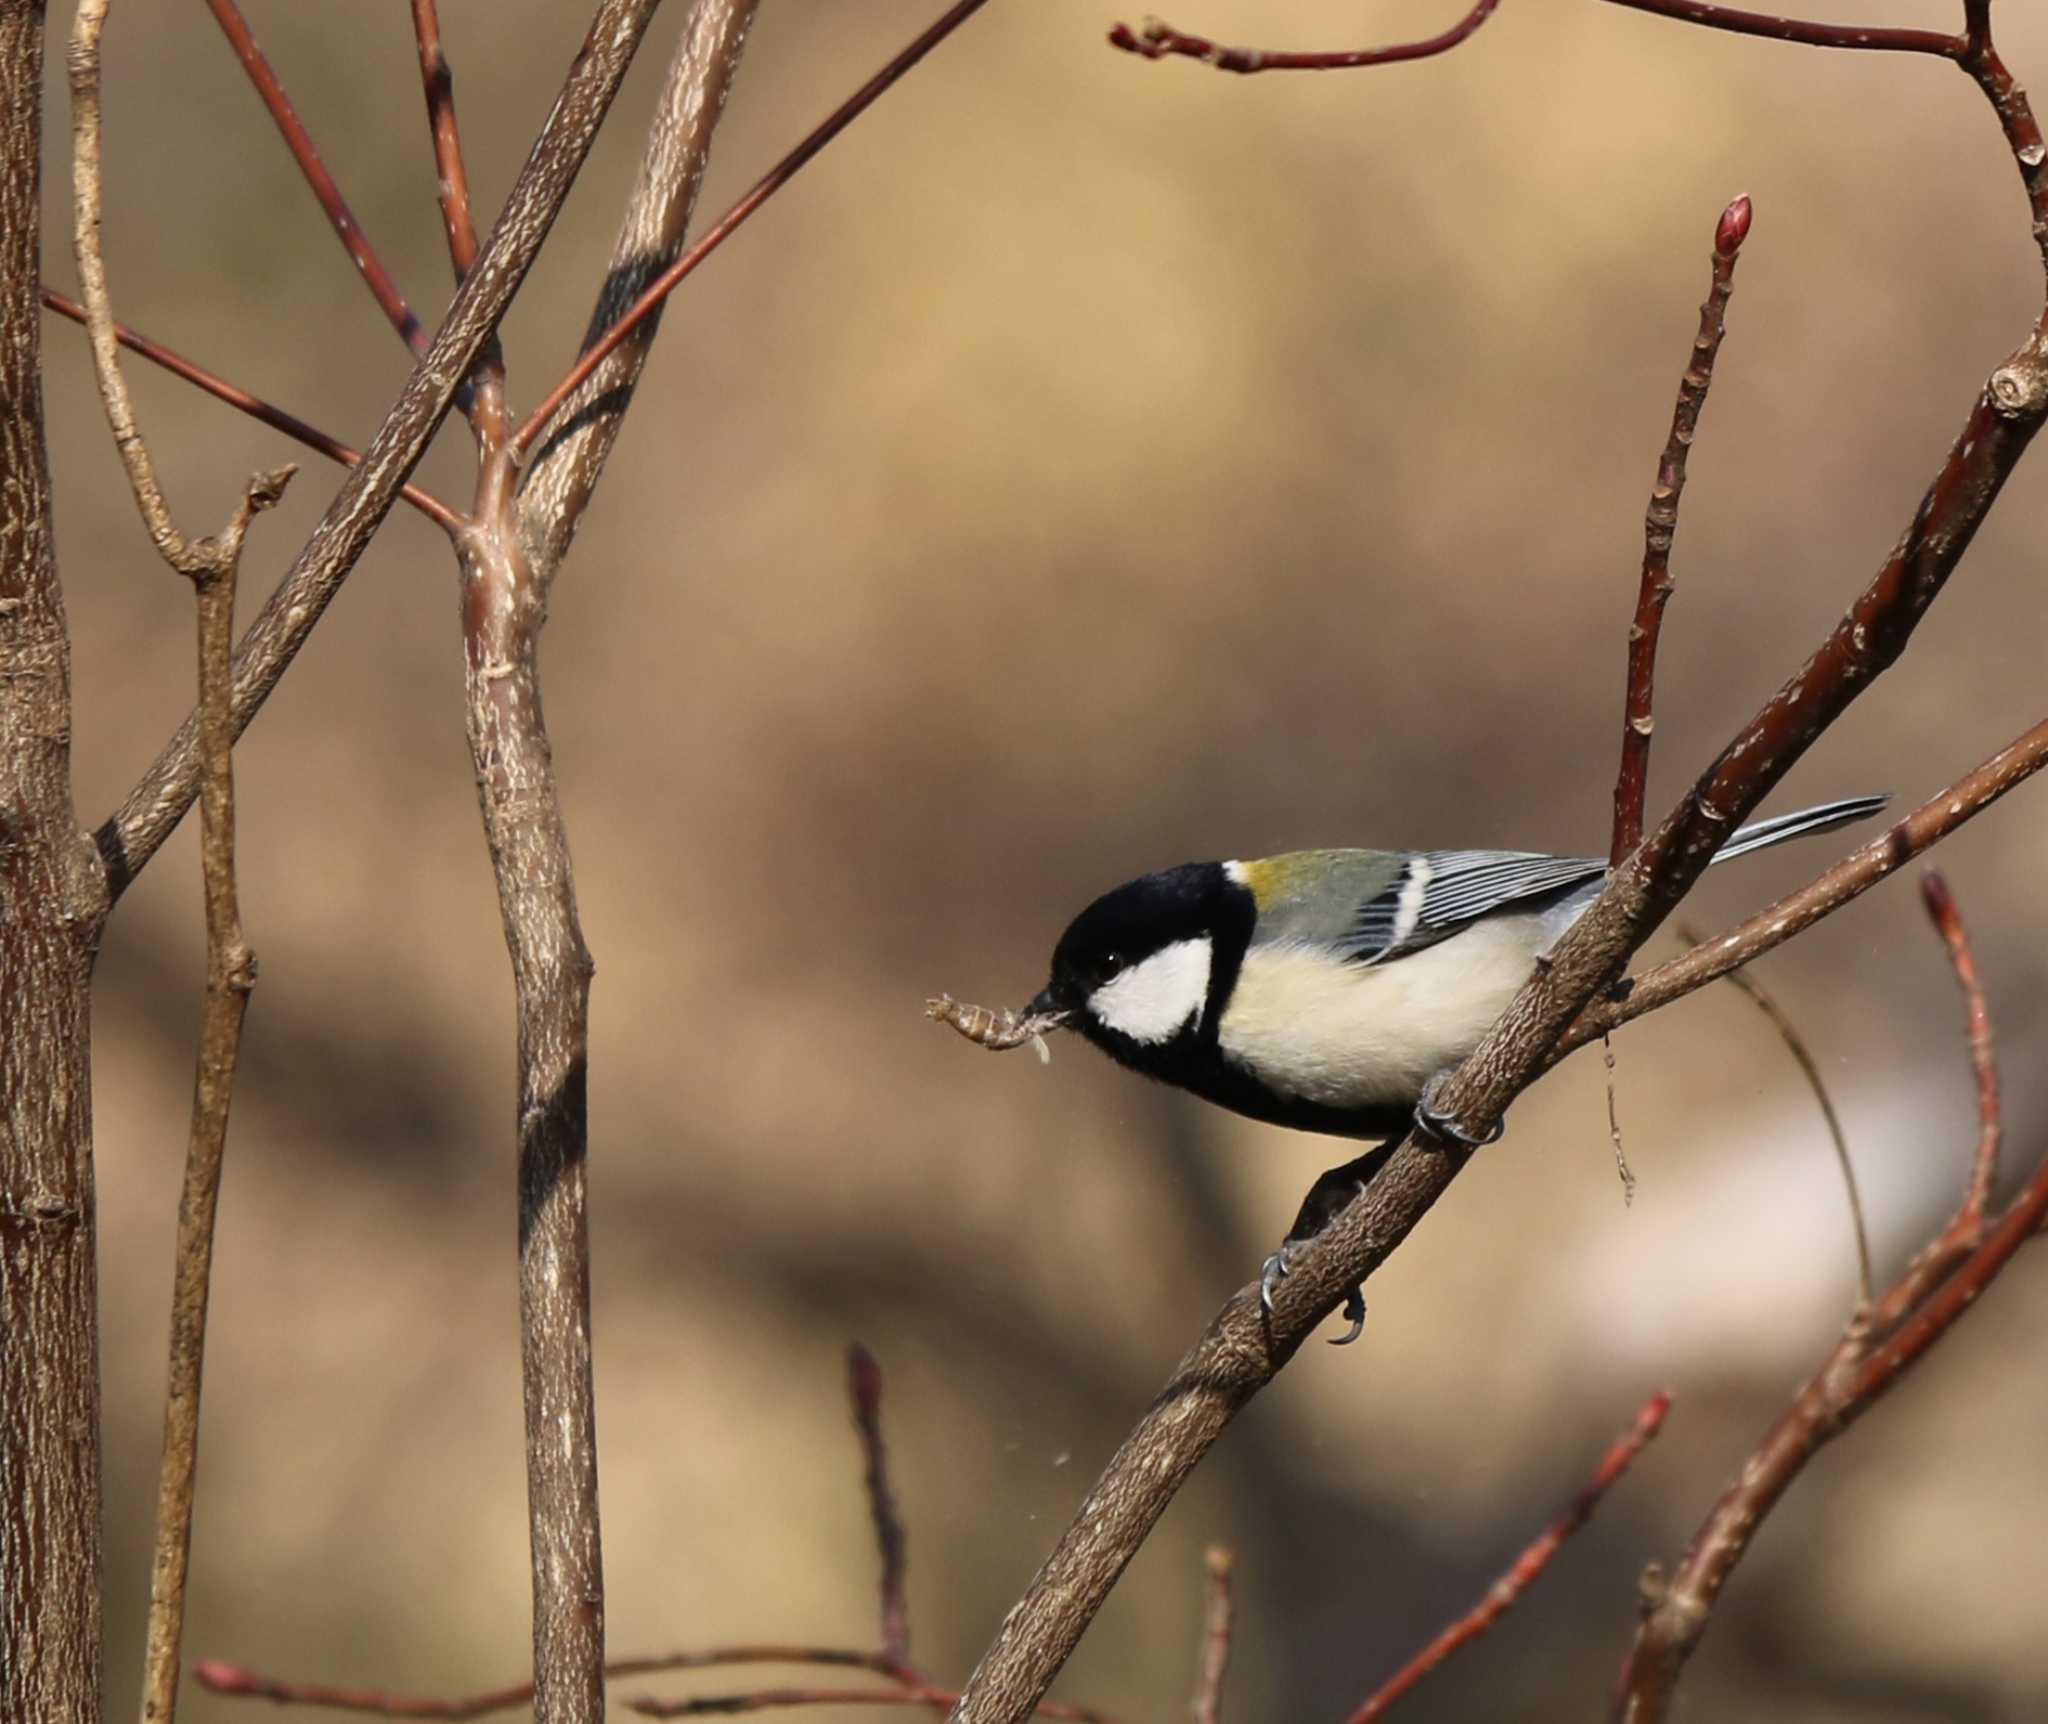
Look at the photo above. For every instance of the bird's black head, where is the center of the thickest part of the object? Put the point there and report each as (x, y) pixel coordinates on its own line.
(1143, 971)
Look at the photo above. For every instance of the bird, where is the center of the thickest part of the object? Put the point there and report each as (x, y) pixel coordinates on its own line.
(1332, 991)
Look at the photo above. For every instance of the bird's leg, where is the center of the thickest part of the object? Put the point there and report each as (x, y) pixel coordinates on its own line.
(1326, 1200)
(1441, 1126)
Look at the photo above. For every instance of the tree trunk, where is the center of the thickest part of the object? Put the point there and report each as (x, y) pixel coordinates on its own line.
(53, 903)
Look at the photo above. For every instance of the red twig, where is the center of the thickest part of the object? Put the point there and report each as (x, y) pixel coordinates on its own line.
(299, 141)
(1880, 1344)
(721, 230)
(243, 1683)
(453, 183)
(767, 1699)
(1948, 922)
(1217, 1622)
(864, 1387)
(486, 407)
(1884, 38)
(1660, 527)
(1155, 40)
(1500, 1597)
(275, 417)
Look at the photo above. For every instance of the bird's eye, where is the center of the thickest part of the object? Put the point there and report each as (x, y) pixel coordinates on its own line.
(1109, 966)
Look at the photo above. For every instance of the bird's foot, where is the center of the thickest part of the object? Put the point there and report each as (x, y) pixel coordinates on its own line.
(1327, 1199)
(1437, 1123)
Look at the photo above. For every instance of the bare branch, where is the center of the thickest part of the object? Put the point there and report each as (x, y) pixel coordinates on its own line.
(1882, 38)
(84, 62)
(311, 436)
(772, 1699)
(1523, 1571)
(559, 484)
(773, 181)
(1802, 1056)
(1217, 1620)
(486, 407)
(134, 832)
(210, 564)
(1880, 1344)
(230, 974)
(339, 216)
(864, 1388)
(1660, 527)
(1243, 1348)
(1847, 880)
(1156, 40)
(238, 1682)
(1948, 922)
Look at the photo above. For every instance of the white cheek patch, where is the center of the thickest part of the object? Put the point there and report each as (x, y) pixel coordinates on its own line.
(1150, 1002)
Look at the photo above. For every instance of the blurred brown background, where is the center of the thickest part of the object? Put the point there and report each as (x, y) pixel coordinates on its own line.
(1086, 466)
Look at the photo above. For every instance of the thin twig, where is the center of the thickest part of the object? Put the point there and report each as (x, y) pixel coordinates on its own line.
(1155, 40)
(1660, 528)
(1948, 922)
(311, 436)
(210, 565)
(770, 1699)
(1802, 1056)
(239, 1682)
(1879, 37)
(230, 975)
(716, 235)
(300, 142)
(134, 832)
(487, 405)
(864, 1389)
(1218, 1617)
(1524, 1570)
(1246, 1344)
(1621, 1167)
(1880, 1344)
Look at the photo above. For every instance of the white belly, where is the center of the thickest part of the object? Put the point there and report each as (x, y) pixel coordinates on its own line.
(1350, 1035)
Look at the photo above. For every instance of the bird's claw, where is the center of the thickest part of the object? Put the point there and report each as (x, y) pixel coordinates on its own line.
(1274, 1271)
(1442, 1126)
(1354, 1310)
(1271, 1273)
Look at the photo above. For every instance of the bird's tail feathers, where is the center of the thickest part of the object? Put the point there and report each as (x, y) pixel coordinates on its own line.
(1776, 830)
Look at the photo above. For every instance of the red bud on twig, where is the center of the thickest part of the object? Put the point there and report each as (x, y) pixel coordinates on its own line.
(1733, 227)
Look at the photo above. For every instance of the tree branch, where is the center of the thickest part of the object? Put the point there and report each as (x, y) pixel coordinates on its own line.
(210, 564)
(864, 1389)
(299, 141)
(559, 484)
(486, 406)
(310, 436)
(1155, 40)
(53, 907)
(134, 832)
(1242, 1350)
(1878, 1347)
(601, 347)
(1218, 1618)
(1847, 880)
(1660, 527)
(1523, 1572)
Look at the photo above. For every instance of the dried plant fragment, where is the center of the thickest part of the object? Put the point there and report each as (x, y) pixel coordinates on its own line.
(998, 1031)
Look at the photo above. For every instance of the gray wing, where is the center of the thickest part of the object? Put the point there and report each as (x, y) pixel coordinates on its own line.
(1373, 905)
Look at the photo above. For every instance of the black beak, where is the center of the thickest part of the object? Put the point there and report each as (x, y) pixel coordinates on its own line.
(1046, 1004)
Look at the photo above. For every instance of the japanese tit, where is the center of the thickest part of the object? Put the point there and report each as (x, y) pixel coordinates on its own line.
(1327, 990)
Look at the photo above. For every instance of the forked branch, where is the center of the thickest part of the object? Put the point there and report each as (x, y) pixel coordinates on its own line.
(1242, 1348)
(1881, 1343)
(134, 832)
(1524, 1571)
